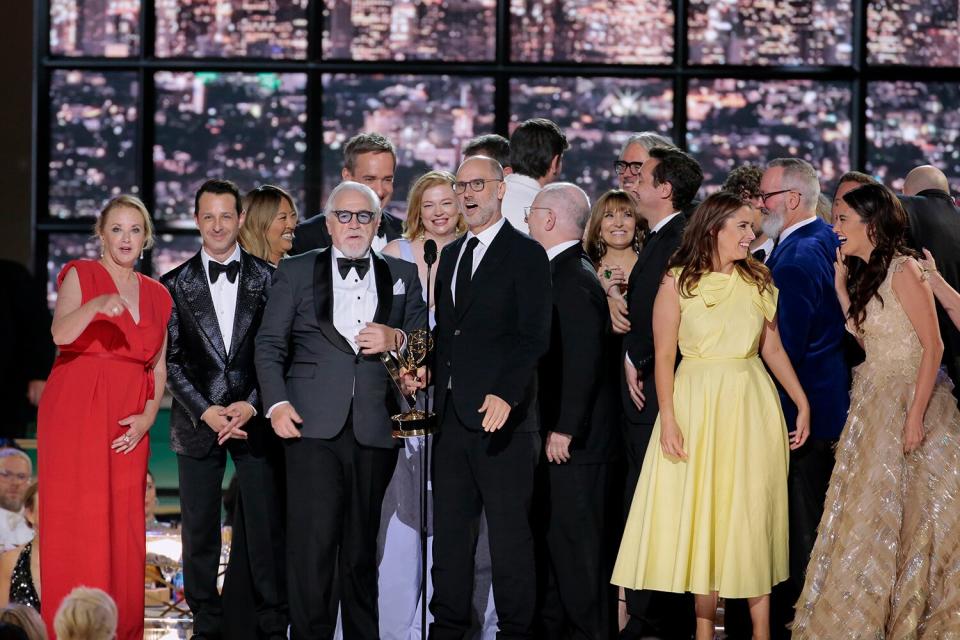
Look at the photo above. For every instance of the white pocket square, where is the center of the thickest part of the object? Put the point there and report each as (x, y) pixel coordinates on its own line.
(398, 288)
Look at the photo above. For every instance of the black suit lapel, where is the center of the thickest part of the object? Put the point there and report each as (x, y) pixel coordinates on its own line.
(497, 250)
(323, 300)
(442, 296)
(197, 293)
(381, 272)
(248, 295)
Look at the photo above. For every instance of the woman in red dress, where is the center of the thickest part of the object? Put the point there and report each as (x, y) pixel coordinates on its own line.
(100, 401)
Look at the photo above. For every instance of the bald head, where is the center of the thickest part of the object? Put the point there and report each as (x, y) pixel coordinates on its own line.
(488, 165)
(558, 214)
(923, 178)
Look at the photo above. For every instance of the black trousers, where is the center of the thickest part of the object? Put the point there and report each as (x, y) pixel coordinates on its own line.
(670, 616)
(201, 480)
(335, 491)
(810, 469)
(475, 471)
(574, 571)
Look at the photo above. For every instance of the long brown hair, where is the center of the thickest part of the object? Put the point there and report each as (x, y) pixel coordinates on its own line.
(593, 242)
(886, 223)
(699, 245)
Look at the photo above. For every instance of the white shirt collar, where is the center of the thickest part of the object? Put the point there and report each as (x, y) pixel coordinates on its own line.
(660, 225)
(786, 232)
(556, 250)
(206, 258)
(519, 179)
(487, 235)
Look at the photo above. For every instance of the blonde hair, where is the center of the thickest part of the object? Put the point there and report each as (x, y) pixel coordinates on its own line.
(413, 225)
(86, 614)
(261, 206)
(128, 201)
(27, 618)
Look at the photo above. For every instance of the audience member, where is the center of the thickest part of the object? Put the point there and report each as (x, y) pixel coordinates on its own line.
(576, 401)
(271, 218)
(493, 146)
(87, 614)
(536, 156)
(885, 560)
(812, 331)
(10, 631)
(106, 384)
(20, 568)
(370, 159)
(493, 323)
(933, 222)
(26, 618)
(333, 404)
(150, 504)
(27, 352)
(666, 184)
(16, 472)
(719, 415)
(218, 298)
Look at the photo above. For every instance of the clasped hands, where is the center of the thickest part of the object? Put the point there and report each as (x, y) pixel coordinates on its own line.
(228, 422)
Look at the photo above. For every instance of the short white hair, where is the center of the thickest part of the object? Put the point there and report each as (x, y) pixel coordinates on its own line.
(10, 452)
(349, 185)
(648, 140)
(571, 201)
(800, 175)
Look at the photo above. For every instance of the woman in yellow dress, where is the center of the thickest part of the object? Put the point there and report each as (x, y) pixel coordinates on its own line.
(709, 515)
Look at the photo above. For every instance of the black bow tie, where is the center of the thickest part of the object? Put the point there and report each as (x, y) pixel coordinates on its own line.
(760, 254)
(232, 269)
(362, 265)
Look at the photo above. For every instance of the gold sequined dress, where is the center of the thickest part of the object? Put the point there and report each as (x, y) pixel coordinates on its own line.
(886, 563)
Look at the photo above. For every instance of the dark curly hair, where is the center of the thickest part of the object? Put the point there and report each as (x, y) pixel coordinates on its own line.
(886, 223)
(699, 245)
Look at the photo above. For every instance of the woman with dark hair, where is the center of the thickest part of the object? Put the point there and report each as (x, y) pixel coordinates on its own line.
(613, 239)
(887, 558)
(709, 515)
(271, 219)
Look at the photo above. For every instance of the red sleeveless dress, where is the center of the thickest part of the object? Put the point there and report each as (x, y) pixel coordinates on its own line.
(91, 498)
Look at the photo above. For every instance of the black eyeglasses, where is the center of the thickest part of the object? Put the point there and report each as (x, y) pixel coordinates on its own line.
(765, 196)
(476, 185)
(621, 167)
(344, 216)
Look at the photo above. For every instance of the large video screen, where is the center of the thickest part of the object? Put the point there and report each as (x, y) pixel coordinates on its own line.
(597, 115)
(61, 249)
(231, 29)
(768, 32)
(93, 152)
(923, 33)
(450, 30)
(95, 28)
(172, 250)
(623, 32)
(732, 122)
(428, 119)
(247, 127)
(910, 124)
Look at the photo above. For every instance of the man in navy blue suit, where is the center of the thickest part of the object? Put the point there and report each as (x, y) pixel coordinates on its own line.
(812, 329)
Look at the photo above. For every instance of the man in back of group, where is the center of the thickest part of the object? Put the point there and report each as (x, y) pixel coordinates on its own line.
(493, 146)
(934, 224)
(536, 155)
(370, 159)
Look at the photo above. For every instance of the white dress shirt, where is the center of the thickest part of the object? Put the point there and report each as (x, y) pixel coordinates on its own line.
(521, 190)
(660, 225)
(556, 250)
(14, 530)
(485, 238)
(786, 232)
(354, 299)
(224, 294)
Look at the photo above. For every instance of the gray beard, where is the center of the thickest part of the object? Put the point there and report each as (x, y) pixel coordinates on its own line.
(772, 225)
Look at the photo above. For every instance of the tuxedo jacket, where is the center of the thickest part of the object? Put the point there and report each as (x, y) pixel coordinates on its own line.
(811, 326)
(302, 358)
(313, 234)
(642, 290)
(576, 395)
(491, 342)
(200, 372)
(934, 224)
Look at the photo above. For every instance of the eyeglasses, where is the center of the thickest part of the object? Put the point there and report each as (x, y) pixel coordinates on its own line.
(477, 185)
(765, 196)
(10, 475)
(621, 167)
(344, 216)
(528, 211)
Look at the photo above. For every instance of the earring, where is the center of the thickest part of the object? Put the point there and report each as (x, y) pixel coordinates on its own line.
(601, 247)
(141, 254)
